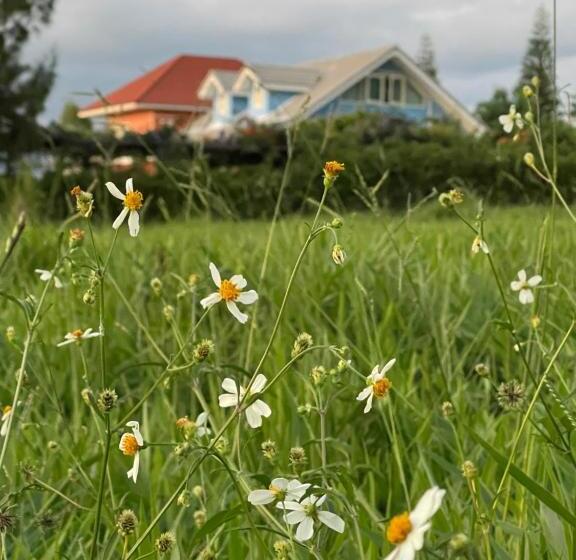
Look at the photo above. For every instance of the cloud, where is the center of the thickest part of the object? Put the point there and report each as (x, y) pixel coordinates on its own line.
(479, 43)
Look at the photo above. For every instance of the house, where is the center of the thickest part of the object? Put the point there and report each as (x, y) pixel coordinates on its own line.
(164, 96)
(384, 80)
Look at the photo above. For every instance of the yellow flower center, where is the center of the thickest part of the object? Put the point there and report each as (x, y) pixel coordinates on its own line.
(333, 168)
(133, 200)
(399, 528)
(228, 291)
(77, 334)
(381, 387)
(278, 493)
(129, 444)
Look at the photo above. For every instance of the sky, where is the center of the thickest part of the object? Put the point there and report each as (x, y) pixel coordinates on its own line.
(479, 44)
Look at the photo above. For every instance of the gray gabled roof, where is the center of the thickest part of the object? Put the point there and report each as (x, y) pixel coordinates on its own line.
(287, 78)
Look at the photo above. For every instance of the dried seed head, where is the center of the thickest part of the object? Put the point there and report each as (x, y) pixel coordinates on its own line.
(165, 542)
(469, 470)
(199, 518)
(447, 409)
(302, 343)
(269, 449)
(483, 370)
(511, 395)
(282, 550)
(168, 312)
(207, 554)
(6, 521)
(297, 456)
(318, 375)
(47, 521)
(203, 350)
(107, 400)
(126, 523)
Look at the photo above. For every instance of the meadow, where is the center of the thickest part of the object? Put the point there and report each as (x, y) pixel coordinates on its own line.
(478, 402)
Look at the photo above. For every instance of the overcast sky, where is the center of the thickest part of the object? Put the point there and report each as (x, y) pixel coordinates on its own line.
(479, 43)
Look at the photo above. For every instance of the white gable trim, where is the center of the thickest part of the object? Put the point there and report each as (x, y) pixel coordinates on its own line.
(210, 80)
(245, 73)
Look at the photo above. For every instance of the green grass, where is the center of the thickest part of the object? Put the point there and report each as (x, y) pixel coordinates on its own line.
(409, 289)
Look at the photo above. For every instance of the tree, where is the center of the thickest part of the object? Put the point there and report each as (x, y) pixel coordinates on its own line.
(69, 119)
(426, 58)
(490, 110)
(538, 61)
(23, 87)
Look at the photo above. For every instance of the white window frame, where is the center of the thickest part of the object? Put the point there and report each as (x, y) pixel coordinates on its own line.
(383, 76)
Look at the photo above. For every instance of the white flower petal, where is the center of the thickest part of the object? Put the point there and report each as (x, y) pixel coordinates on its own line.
(526, 296)
(281, 483)
(254, 419)
(522, 275)
(247, 297)
(427, 506)
(535, 280)
(133, 472)
(233, 308)
(133, 223)
(364, 394)
(57, 282)
(332, 521)
(295, 516)
(239, 281)
(416, 536)
(290, 505)
(202, 418)
(261, 497)
(229, 385)
(215, 274)
(368, 406)
(120, 219)
(129, 185)
(259, 384)
(114, 190)
(388, 366)
(211, 300)
(305, 530)
(65, 342)
(226, 401)
(516, 285)
(261, 408)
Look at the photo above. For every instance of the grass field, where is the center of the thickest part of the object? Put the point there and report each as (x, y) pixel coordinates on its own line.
(409, 289)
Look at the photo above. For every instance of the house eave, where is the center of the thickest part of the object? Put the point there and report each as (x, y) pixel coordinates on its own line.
(131, 107)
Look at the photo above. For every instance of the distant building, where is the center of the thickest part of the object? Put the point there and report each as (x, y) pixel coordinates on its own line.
(164, 96)
(384, 80)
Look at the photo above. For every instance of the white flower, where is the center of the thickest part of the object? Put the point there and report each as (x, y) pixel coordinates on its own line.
(307, 511)
(77, 336)
(46, 276)
(524, 286)
(130, 444)
(407, 529)
(6, 412)
(280, 490)
(510, 119)
(132, 203)
(233, 396)
(231, 292)
(479, 245)
(378, 385)
(199, 427)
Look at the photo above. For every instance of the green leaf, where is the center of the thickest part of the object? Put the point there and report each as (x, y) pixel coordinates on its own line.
(216, 521)
(529, 483)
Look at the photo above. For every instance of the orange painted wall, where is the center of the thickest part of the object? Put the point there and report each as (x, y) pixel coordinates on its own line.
(145, 121)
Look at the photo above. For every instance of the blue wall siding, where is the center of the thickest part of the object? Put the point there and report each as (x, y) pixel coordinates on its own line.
(239, 104)
(413, 113)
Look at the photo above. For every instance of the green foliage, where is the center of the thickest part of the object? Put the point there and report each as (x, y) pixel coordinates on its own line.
(490, 110)
(24, 87)
(69, 119)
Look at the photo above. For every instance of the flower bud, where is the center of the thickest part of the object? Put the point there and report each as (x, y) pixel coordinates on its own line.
(483, 370)
(156, 285)
(527, 91)
(199, 518)
(529, 116)
(222, 445)
(203, 350)
(336, 223)
(535, 81)
(198, 492)
(301, 344)
(304, 409)
(107, 400)
(318, 375)
(297, 457)
(338, 254)
(10, 333)
(459, 542)
(447, 409)
(469, 470)
(89, 297)
(331, 171)
(269, 449)
(183, 499)
(282, 550)
(168, 312)
(529, 159)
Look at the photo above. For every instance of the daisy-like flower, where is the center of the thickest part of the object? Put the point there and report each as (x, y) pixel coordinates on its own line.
(332, 170)
(479, 245)
(233, 396)
(231, 292)
(407, 530)
(306, 512)
(77, 336)
(197, 427)
(511, 119)
(46, 276)
(280, 490)
(378, 385)
(524, 285)
(6, 412)
(130, 444)
(133, 201)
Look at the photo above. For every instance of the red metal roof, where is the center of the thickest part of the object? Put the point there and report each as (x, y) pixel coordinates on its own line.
(173, 83)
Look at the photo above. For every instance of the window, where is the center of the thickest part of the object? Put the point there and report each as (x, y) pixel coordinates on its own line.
(386, 88)
(375, 88)
(356, 92)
